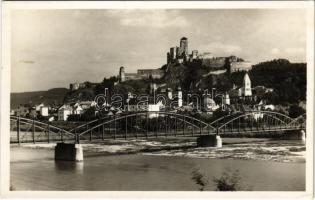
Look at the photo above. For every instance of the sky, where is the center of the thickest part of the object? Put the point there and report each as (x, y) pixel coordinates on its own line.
(53, 48)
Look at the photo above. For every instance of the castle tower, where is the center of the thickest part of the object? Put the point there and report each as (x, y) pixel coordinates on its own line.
(194, 54)
(122, 77)
(183, 48)
(247, 88)
(168, 57)
(173, 53)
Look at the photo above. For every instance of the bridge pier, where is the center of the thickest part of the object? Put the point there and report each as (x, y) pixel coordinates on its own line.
(209, 141)
(69, 152)
(295, 135)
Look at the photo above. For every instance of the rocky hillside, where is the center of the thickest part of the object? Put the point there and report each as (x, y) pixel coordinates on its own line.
(194, 76)
(86, 94)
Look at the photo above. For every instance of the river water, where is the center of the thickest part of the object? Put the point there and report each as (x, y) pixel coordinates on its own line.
(34, 168)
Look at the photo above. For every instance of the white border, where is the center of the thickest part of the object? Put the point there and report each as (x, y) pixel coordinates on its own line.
(5, 95)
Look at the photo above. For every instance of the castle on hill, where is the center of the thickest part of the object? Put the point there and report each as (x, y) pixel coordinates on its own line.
(216, 65)
(181, 55)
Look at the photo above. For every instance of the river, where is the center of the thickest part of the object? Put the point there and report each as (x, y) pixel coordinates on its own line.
(34, 168)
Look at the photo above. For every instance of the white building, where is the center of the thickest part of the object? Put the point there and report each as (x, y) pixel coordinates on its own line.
(247, 88)
(209, 104)
(180, 97)
(169, 93)
(64, 112)
(37, 107)
(257, 115)
(226, 99)
(52, 118)
(153, 108)
(78, 110)
(44, 111)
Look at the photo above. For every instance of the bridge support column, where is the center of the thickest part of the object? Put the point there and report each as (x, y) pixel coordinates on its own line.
(295, 135)
(303, 136)
(69, 152)
(219, 141)
(209, 141)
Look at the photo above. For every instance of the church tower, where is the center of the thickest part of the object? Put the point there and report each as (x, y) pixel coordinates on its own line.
(247, 88)
(180, 96)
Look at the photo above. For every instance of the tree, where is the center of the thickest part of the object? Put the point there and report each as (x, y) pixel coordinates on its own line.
(200, 179)
(295, 111)
(229, 181)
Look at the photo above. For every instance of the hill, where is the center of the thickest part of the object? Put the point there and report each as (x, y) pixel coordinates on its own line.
(86, 94)
(52, 96)
(287, 79)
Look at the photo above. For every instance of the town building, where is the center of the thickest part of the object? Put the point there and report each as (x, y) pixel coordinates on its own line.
(63, 112)
(21, 111)
(38, 107)
(44, 111)
(77, 109)
(180, 97)
(226, 99)
(209, 104)
(247, 86)
(244, 92)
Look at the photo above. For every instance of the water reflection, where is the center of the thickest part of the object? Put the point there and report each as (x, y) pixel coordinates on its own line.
(76, 167)
(138, 172)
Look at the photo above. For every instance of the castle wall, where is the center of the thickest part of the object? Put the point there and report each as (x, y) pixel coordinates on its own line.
(240, 66)
(146, 73)
(132, 76)
(214, 63)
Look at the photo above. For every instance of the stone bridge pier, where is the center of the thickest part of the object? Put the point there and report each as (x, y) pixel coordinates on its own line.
(295, 135)
(69, 152)
(209, 141)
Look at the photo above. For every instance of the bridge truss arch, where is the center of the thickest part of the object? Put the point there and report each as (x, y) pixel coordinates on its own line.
(257, 121)
(25, 130)
(144, 125)
(153, 124)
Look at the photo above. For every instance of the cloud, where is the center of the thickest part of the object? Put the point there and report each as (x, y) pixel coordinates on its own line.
(275, 51)
(220, 47)
(155, 19)
(294, 50)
